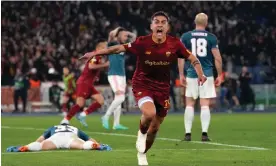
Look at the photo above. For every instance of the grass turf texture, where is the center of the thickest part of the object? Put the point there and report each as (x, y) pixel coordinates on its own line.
(250, 130)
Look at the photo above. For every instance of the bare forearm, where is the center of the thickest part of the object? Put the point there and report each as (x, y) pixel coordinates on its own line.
(218, 64)
(111, 50)
(40, 139)
(181, 66)
(195, 62)
(98, 66)
(218, 60)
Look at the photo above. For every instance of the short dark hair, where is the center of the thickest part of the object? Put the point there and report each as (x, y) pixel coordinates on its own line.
(120, 30)
(100, 40)
(160, 13)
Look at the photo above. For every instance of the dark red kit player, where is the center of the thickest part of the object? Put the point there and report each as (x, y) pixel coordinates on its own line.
(85, 88)
(151, 81)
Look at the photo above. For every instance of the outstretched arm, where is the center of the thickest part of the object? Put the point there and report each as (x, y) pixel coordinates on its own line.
(98, 66)
(107, 51)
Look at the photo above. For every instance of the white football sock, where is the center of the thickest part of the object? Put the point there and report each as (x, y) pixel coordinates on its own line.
(87, 145)
(118, 100)
(34, 146)
(189, 118)
(83, 113)
(117, 115)
(205, 117)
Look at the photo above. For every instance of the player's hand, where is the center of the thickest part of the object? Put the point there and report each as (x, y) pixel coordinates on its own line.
(202, 79)
(182, 80)
(218, 81)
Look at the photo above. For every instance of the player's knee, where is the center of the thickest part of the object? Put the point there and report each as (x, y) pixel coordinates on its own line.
(204, 102)
(154, 128)
(80, 102)
(147, 107)
(190, 102)
(149, 114)
(101, 99)
(98, 98)
(119, 93)
(120, 98)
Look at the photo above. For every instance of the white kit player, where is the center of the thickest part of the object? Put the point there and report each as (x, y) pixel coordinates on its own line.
(117, 77)
(204, 45)
(61, 137)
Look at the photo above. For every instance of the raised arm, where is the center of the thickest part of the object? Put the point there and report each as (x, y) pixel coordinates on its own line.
(132, 36)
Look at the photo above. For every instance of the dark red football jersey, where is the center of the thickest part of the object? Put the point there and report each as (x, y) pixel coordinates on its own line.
(88, 76)
(154, 61)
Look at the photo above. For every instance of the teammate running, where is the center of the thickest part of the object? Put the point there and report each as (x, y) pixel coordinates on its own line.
(86, 89)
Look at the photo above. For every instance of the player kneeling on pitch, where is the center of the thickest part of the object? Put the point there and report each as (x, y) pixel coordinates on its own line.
(61, 137)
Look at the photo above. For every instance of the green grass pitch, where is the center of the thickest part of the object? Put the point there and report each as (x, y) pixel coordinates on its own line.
(237, 140)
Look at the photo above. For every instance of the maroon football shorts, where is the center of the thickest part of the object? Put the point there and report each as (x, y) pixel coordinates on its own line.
(86, 90)
(161, 99)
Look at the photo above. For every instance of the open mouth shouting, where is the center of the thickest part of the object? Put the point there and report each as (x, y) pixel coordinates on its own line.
(159, 32)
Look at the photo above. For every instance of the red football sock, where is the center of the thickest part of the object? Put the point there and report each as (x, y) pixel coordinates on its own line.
(64, 107)
(143, 128)
(76, 108)
(93, 107)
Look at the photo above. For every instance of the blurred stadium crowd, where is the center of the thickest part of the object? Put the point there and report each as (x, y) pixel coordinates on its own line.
(43, 37)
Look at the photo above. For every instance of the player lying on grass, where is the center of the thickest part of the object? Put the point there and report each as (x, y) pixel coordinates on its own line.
(61, 137)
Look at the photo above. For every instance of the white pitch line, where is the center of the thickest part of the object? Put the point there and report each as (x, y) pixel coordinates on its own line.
(124, 150)
(134, 136)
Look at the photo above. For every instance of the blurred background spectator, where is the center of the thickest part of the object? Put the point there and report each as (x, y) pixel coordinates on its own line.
(21, 86)
(50, 35)
(43, 37)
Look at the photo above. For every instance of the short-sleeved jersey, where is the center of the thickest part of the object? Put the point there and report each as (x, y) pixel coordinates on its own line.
(65, 128)
(88, 76)
(200, 43)
(154, 61)
(116, 62)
